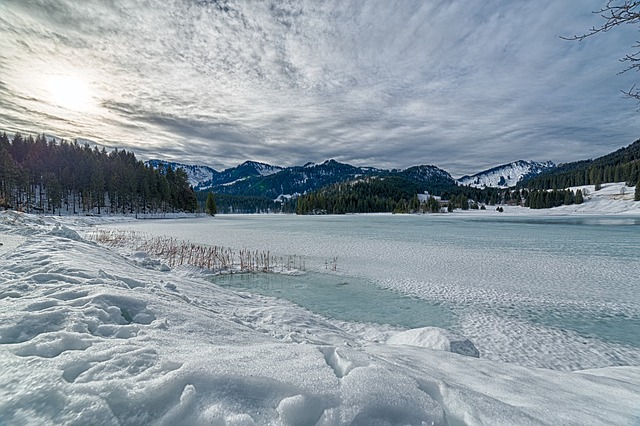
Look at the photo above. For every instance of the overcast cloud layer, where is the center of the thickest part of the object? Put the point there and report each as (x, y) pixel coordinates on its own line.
(464, 85)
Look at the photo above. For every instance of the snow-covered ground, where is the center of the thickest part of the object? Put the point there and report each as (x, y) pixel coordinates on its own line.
(616, 198)
(95, 335)
(612, 198)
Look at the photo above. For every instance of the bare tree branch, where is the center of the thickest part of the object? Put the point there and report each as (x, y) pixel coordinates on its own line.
(615, 13)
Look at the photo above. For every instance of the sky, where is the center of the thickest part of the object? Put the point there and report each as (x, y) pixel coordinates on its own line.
(463, 85)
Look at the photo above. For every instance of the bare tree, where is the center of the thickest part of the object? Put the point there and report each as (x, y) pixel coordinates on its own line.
(615, 13)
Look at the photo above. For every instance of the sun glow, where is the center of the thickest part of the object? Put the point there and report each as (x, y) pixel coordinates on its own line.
(68, 92)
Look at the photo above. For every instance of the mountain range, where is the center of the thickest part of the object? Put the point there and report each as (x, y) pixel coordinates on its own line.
(253, 178)
(205, 177)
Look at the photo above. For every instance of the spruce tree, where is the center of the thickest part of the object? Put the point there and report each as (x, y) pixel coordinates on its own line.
(579, 198)
(210, 205)
(569, 197)
(598, 185)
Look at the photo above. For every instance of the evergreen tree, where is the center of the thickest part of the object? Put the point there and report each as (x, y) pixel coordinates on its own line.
(598, 185)
(637, 195)
(579, 197)
(211, 205)
(433, 205)
(414, 204)
(569, 197)
(464, 202)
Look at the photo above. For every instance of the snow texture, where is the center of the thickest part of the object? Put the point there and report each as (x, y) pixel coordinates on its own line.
(90, 335)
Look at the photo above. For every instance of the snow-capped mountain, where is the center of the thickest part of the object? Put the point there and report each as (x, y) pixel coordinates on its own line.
(197, 174)
(262, 168)
(297, 179)
(204, 177)
(232, 175)
(312, 176)
(252, 178)
(506, 175)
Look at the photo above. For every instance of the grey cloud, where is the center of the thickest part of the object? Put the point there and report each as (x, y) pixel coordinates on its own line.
(388, 84)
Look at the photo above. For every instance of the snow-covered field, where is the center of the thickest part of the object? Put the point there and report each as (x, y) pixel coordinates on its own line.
(97, 335)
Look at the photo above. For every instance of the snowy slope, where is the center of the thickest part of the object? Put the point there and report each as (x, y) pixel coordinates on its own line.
(506, 175)
(262, 168)
(612, 198)
(232, 175)
(90, 336)
(197, 174)
(204, 177)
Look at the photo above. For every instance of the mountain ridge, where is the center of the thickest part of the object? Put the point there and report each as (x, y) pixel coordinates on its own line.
(252, 178)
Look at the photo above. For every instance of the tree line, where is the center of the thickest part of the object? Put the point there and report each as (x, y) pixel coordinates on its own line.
(541, 199)
(394, 194)
(368, 195)
(242, 204)
(45, 175)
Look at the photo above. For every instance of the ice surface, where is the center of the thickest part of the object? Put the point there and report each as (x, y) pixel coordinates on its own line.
(542, 291)
(90, 336)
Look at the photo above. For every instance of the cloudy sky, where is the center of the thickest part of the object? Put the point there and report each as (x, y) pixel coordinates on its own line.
(464, 85)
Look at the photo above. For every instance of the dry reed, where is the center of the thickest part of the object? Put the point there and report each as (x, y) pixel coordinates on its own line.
(213, 258)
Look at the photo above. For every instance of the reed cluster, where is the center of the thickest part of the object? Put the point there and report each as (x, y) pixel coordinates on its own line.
(213, 258)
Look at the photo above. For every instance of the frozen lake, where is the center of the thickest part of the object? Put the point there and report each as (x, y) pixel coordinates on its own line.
(554, 292)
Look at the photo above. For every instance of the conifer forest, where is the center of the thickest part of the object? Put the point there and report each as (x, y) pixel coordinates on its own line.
(41, 175)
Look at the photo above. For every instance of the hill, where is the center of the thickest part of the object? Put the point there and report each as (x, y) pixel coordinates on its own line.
(622, 165)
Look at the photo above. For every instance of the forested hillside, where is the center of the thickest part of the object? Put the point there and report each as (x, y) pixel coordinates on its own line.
(622, 165)
(400, 194)
(369, 195)
(40, 175)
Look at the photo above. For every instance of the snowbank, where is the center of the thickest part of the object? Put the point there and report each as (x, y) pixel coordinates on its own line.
(435, 338)
(89, 337)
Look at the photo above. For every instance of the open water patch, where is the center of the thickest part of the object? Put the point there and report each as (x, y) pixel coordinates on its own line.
(344, 298)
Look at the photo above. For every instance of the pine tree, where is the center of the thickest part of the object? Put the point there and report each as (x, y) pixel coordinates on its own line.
(569, 197)
(637, 195)
(579, 197)
(414, 204)
(210, 205)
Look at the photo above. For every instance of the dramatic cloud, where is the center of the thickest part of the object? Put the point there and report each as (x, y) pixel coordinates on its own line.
(462, 85)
